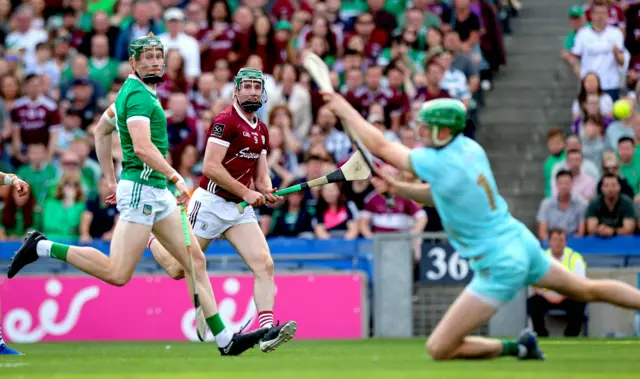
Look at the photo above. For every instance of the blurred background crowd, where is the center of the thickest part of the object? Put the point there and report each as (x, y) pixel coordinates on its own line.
(592, 173)
(63, 62)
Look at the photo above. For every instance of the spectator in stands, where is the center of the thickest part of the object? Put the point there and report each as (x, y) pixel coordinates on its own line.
(102, 68)
(467, 24)
(572, 142)
(101, 27)
(38, 171)
(590, 85)
(463, 61)
(432, 90)
(141, 25)
(453, 81)
(336, 142)
(334, 215)
(62, 213)
(10, 90)
(20, 214)
(34, 118)
(293, 218)
(70, 130)
(176, 38)
(181, 127)
(584, 185)
(557, 154)
(188, 159)
(544, 300)
(576, 22)
(289, 93)
(174, 79)
(600, 48)
(282, 161)
(26, 34)
(611, 213)
(564, 210)
(78, 73)
(593, 140)
(90, 171)
(629, 163)
(44, 64)
(618, 129)
(99, 218)
(589, 108)
(611, 165)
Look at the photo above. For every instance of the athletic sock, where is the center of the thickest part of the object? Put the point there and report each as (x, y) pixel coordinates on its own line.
(265, 318)
(151, 239)
(514, 349)
(221, 333)
(51, 249)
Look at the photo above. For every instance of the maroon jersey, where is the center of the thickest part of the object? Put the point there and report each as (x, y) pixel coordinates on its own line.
(394, 102)
(245, 143)
(218, 46)
(35, 118)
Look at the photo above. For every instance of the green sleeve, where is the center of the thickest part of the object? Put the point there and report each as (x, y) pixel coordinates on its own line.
(569, 40)
(592, 208)
(137, 106)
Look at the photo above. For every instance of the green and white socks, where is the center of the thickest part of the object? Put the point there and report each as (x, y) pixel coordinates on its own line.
(221, 333)
(514, 349)
(50, 249)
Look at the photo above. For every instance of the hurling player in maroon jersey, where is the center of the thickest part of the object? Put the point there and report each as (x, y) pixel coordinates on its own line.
(235, 169)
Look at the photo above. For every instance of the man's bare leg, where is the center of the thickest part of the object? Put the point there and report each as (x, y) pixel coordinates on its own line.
(174, 244)
(250, 243)
(127, 247)
(613, 292)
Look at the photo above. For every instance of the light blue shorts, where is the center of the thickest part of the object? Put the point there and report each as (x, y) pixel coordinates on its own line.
(501, 275)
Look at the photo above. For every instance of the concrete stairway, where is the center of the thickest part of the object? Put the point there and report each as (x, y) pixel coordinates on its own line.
(531, 94)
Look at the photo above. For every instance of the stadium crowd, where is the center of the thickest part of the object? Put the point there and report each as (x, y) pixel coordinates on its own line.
(592, 173)
(63, 62)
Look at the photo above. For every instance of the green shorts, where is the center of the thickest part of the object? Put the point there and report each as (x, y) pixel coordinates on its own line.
(142, 204)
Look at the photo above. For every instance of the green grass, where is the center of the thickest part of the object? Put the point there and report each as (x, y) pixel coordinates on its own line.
(371, 359)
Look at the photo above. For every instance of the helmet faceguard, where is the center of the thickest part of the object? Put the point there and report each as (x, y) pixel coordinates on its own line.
(148, 44)
(252, 75)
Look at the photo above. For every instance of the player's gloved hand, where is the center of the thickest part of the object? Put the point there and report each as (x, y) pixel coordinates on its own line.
(255, 199)
(271, 198)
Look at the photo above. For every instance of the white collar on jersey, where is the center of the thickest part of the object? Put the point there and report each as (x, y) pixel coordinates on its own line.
(135, 77)
(253, 125)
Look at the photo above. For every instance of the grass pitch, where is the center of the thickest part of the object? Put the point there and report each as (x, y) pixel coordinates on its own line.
(371, 359)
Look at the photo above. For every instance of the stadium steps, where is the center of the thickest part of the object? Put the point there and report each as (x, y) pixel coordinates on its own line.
(531, 94)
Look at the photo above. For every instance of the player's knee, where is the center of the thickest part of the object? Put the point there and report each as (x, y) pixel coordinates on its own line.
(263, 265)
(119, 279)
(437, 350)
(587, 291)
(176, 272)
(199, 260)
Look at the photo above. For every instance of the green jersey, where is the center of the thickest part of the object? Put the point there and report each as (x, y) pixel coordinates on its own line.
(137, 101)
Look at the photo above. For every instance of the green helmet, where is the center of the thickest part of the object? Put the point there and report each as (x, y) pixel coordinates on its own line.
(250, 74)
(138, 45)
(443, 113)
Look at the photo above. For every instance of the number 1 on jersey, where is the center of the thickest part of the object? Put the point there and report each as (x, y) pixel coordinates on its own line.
(484, 183)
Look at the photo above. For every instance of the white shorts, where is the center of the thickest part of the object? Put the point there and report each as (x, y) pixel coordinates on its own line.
(141, 204)
(210, 215)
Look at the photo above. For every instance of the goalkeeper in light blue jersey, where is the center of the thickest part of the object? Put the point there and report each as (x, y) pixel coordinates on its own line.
(504, 255)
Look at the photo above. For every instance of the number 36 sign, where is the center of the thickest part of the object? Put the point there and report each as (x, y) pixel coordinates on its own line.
(441, 264)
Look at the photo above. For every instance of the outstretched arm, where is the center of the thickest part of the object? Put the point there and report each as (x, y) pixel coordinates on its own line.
(393, 153)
